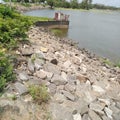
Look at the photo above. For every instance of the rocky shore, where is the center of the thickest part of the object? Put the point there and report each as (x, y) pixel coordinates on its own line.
(81, 87)
(21, 8)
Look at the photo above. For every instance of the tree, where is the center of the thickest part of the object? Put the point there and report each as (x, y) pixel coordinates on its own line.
(86, 4)
(50, 3)
(74, 3)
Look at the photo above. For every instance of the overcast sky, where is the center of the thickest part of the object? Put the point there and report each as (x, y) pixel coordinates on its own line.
(107, 2)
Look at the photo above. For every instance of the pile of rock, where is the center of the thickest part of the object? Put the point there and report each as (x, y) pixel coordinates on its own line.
(81, 87)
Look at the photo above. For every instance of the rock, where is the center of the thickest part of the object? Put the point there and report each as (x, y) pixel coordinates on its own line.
(52, 88)
(116, 116)
(108, 112)
(21, 89)
(58, 97)
(97, 107)
(77, 60)
(43, 49)
(93, 115)
(67, 64)
(82, 78)
(34, 80)
(114, 109)
(77, 116)
(64, 75)
(54, 61)
(118, 105)
(83, 68)
(105, 118)
(31, 66)
(23, 76)
(41, 74)
(39, 63)
(68, 95)
(49, 67)
(59, 112)
(49, 75)
(38, 55)
(85, 117)
(27, 51)
(58, 80)
(106, 101)
(98, 89)
(70, 88)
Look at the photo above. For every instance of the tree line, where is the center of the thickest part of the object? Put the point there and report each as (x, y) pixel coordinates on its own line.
(85, 4)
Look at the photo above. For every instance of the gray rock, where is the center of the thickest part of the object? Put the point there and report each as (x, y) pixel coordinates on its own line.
(106, 101)
(114, 109)
(118, 105)
(39, 63)
(31, 66)
(58, 80)
(52, 88)
(27, 51)
(49, 75)
(68, 95)
(108, 112)
(41, 74)
(85, 117)
(35, 80)
(116, 116)
(59, 112)
(39, 55)
(21, 89)
(70, 88)
(93, 115)
(58, 97)
(23, 76)
(97, 107)
(105, 118)
(49, 67)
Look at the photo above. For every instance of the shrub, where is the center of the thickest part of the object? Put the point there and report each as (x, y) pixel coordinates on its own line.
(39, 93)
(6, 71)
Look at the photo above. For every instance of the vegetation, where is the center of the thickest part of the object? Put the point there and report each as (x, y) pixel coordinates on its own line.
(39, 93)
(6, 71)
(13, 27)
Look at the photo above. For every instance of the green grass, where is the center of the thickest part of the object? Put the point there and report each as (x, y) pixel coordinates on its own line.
(39, 93)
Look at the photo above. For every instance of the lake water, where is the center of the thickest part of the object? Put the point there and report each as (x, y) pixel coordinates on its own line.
(97, 31)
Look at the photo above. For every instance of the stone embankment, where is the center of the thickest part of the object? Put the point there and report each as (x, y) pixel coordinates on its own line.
(81, 87)
(22, 8)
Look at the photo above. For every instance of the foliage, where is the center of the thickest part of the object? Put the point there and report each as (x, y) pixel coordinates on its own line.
(51, 3)
(12, 27)
(6, 71)
(74, 4)
(39, 93)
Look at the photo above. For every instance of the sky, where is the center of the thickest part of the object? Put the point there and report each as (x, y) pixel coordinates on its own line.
(106, 2)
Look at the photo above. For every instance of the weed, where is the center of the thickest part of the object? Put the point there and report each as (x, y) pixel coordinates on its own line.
(39, 93)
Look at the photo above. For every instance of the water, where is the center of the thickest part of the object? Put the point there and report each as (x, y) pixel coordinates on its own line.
(97, 31)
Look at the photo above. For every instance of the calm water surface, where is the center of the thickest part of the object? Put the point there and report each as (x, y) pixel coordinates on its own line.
(97, 31)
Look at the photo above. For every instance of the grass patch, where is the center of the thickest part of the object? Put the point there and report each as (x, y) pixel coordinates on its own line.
(39, 93)
(59, 32)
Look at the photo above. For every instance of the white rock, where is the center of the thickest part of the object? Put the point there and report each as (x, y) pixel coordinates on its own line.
(106, 101)
(108, 112)
(98, 89)
(77, 116)
(67, 64)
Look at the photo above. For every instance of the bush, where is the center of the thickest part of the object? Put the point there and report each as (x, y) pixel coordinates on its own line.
(39, 93)
(6, 71)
